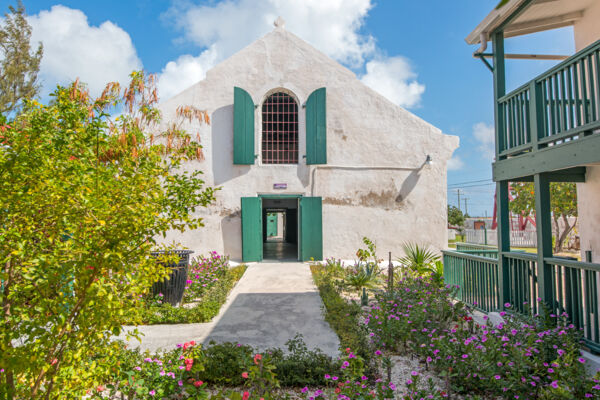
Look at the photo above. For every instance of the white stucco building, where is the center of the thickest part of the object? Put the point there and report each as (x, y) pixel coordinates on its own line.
(295, 133)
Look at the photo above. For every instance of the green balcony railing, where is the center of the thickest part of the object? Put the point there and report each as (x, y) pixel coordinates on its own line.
(476, 278)
(574, 287)
(560, 105)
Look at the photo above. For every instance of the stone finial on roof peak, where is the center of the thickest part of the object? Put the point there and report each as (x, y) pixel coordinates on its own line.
(279, 23)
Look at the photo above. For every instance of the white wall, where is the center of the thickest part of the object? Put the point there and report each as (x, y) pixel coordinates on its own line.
(363, 129)
(587, 31)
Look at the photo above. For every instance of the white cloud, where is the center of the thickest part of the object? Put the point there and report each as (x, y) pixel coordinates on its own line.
(332, 26)
(394, 78)
(486, 137)
(182, 73)
(75, 49)
(455, 163)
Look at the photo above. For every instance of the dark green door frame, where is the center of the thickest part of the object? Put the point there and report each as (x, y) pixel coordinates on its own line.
(310, 225)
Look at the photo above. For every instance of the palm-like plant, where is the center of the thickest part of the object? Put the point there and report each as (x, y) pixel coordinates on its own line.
(418, 259)
(362, 275)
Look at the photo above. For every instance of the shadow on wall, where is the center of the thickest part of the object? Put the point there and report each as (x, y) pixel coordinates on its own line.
(408, 185)
(231, 229)
(303, 171)
(222, 147)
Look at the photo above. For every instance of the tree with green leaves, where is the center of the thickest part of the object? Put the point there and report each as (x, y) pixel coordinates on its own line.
(19, 66)
(563, 204)
(84, 199)
(455, 216)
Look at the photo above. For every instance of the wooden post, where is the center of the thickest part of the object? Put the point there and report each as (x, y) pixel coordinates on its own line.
(502, 186)
(390, 275)
(543, 224)
(499, 90)
(503, 242)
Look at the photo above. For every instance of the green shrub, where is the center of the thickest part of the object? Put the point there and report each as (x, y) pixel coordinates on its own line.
(343, 317)
(301, 367)
(225, 362)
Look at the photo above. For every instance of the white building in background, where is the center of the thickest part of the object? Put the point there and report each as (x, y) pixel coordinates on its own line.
(295, 133)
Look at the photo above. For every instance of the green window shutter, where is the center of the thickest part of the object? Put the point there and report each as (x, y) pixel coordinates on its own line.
(243, 127)
(311, 228)
(316, 127)
(252, 226)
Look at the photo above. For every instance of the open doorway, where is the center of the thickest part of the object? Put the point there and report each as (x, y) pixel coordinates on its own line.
(299, 233)
(280, 229)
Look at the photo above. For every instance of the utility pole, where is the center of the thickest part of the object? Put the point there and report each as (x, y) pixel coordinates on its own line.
(466, 207)
(458, 193)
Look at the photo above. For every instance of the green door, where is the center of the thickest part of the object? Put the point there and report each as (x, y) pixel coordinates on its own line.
(311, 228)
(252, 237)
(271, 224)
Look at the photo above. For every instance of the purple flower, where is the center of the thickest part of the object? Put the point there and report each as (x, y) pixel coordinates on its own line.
(497, 377)
(554, 384)
(465, 356)
(581, 360)
(152, 392)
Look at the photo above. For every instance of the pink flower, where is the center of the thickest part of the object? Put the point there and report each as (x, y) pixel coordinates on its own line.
(244, 375)
(245, 396)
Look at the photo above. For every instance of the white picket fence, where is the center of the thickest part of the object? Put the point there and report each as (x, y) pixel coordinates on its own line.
(490, 237)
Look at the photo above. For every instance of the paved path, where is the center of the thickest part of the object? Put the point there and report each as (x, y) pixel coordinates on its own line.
(269, 305)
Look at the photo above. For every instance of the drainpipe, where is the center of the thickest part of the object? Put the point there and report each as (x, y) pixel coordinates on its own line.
(356, 167)
(483, 39)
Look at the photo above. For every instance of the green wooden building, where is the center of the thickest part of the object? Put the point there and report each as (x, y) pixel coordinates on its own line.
(547, 130)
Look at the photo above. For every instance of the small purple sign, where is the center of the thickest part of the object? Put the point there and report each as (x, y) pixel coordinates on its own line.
(280, 186)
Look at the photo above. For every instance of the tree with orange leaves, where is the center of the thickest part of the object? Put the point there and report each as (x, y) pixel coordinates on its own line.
(83, 198)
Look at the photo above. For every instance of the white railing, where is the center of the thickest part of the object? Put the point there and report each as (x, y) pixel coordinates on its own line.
(490, 237)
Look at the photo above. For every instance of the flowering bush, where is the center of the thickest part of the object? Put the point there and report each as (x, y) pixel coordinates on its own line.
(521, 358)
(352, 383)
(145, 376)
(207, 300)
(204, 273)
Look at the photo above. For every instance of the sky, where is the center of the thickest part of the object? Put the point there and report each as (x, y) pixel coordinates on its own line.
(412, 52)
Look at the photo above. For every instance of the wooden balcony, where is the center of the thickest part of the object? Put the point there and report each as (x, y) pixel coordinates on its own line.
(552, 122)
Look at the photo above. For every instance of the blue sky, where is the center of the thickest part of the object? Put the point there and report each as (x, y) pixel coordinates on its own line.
(412, 51)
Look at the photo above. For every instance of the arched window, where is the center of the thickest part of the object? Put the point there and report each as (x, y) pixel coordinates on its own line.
(280, 129)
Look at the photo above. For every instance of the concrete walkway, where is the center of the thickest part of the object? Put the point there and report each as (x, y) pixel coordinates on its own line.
(269, 305)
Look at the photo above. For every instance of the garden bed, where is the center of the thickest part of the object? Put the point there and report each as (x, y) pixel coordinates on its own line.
(432, 348)
(210, 279)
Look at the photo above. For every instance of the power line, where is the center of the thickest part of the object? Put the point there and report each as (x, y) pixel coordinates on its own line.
(469, 186)
(468, 182)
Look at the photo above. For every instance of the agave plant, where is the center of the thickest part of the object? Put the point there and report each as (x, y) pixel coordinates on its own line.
(418, 259)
